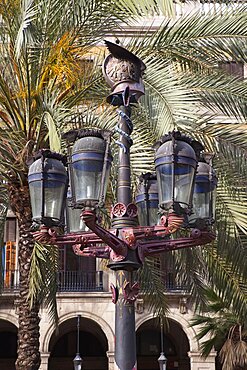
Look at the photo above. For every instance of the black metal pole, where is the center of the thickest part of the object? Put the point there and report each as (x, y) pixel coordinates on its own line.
(125, 337)
(42, 188)
(124, 176)
(125, 347)
(123, 72)
(146, 200)
(78, 334)
(162, 359)
(161, 335)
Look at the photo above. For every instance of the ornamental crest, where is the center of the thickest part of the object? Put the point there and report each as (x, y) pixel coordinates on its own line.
(122, 70)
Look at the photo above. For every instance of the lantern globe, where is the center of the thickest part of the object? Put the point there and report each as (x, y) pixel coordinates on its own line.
(162, 360)
(147, 200)
(74, 223)
(77, 362)
(175, 163)
(89, 169)
(204, 194)
(47, 178)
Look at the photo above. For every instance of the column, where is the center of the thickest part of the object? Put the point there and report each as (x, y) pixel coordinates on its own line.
(111, 361)
(44, 360)
(201, 363)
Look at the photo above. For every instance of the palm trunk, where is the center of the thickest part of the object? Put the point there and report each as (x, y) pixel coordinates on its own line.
(28, 356)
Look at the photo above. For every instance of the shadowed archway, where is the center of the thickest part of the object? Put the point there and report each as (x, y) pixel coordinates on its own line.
(8, 345)
(93, 346)
(176, 346)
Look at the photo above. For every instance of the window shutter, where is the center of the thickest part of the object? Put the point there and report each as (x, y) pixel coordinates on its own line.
(10, 230)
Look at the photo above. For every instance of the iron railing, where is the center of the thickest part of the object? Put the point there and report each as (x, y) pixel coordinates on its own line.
(171, 283)
(67, 281)
(81, 281)
(10, 280)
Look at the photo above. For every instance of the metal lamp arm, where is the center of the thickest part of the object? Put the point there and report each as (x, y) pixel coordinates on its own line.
(151, 247)
(92, 251)
(116, 244)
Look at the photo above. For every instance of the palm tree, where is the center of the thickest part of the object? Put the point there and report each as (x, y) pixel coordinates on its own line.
(226, 330)
(41, 83)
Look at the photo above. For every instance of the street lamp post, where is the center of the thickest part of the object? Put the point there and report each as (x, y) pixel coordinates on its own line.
(78, 360)
(162, 360)
(126, 244)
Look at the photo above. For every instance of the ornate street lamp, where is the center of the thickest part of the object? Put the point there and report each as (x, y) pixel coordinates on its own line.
(89, 166)
(176, 162)
(162, 360)
(147, 200)
(78, 360)
(204, 194)
(47, 178)
(126, 244)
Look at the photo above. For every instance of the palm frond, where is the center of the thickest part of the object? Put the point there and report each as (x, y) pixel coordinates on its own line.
(191, 271)
(43, 278)
(148, 7)
(25, 33)
(218, 322)
(219, 93)
(230, 284)
(152, 288)
(208, 38)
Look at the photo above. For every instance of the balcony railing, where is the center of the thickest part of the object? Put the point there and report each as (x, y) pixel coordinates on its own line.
(10, 280)
(171, 284)
(67, 281)
(81, 281)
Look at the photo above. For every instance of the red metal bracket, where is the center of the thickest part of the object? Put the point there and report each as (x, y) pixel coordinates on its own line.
(119, 246)
(103, 243)
(154, 246)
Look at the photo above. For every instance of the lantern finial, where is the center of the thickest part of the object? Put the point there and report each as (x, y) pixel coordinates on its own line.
(123, 72)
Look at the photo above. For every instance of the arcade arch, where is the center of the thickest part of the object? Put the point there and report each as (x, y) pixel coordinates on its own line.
(93, 345)
(181, 321)
(176, 345)
(8, 347)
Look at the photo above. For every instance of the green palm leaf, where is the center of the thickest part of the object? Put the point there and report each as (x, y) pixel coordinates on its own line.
(43, 278)
(152, 288)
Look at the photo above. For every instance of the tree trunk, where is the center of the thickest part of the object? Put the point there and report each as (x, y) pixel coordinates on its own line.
(28, 356)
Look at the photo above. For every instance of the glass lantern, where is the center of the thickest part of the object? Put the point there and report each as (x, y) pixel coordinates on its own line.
(175, 163)
(47, 178)
(77, 362)
(147, 200)
(162, 360)
(89, 169)
(204, 194)
(74, 222)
